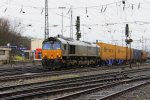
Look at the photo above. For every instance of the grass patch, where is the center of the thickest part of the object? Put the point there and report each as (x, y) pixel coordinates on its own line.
(19, 58)
(63, 77)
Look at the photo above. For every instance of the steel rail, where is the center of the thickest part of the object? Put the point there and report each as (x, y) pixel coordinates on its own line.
(35, 75)
(61, 90)
(87, 91)
(30, 69)
(124, 91)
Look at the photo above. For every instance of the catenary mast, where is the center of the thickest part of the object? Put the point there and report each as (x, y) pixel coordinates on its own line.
(46, 20)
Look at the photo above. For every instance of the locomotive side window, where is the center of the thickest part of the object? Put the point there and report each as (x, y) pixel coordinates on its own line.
(64, 46)
(72, 49)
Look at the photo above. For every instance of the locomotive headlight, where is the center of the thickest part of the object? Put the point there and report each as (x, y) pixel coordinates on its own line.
(45, 55)
(59, 55)
(51, 57)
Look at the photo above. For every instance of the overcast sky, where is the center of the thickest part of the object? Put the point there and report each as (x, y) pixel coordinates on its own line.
(102, 20)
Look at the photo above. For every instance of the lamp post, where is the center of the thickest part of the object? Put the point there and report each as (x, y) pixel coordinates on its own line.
(62, 18)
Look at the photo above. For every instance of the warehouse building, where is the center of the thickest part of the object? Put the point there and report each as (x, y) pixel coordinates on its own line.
(36, 43)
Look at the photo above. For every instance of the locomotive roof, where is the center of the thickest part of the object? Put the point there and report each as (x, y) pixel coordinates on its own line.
(75, 42)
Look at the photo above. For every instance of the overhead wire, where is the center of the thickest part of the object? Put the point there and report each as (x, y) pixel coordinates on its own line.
(87, 7)
(103, 9)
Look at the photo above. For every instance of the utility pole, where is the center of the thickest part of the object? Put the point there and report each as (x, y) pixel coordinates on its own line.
(145, 44)
(83, 31)
(122, 40)
(71, 24)
(46, 20)
(142, 43)
(62, 18)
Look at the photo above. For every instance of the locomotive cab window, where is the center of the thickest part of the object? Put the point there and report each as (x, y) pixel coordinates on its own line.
(52, 45)
(56, 45)
(47, 45)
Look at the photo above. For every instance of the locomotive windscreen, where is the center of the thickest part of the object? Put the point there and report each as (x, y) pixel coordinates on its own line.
(51, 45)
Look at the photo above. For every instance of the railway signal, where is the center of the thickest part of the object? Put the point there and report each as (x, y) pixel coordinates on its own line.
(128, 41)
(78, 33)
(127, 30)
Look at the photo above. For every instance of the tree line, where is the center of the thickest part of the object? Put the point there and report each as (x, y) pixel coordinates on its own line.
(12, 34)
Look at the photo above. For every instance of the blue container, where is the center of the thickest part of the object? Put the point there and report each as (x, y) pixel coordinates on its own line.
(136, 54)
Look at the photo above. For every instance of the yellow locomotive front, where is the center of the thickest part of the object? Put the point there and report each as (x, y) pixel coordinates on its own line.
(51, 53)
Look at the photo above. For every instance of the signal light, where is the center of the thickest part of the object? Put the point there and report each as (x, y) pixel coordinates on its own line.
(127, 30)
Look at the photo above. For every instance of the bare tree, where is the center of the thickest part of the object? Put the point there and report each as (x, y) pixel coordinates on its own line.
(12, 34)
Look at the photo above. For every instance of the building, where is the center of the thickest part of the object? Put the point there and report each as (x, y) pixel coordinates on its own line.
(36, 43)
(4, 55)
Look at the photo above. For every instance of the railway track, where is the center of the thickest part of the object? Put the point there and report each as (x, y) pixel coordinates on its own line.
(34, 75)
(53, 87)
(37, 69)
(111, 91)
(40, 69)
(6, 78)
(66, 89)
(117, 93)
(48, 74)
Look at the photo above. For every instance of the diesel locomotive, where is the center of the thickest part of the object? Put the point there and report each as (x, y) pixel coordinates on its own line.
(64, 52)
(60, 52)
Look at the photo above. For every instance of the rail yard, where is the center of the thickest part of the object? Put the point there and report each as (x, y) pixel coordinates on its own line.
(74, 50)
(74, 84)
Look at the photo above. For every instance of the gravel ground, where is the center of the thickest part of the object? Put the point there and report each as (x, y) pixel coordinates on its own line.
(142, 93)
(103, 93)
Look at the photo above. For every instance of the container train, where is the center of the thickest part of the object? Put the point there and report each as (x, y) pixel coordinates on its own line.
(60, 52)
